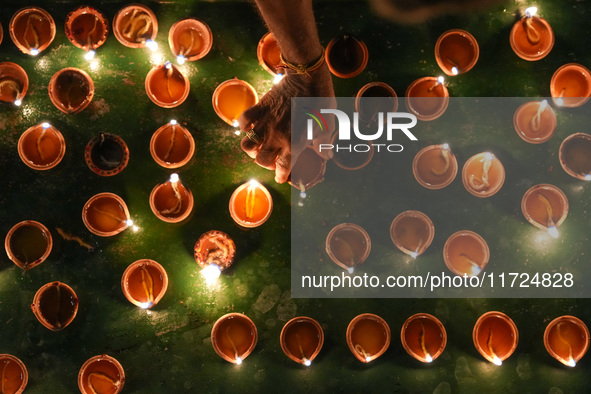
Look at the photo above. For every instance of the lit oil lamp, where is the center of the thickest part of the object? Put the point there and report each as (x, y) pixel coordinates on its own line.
(368, 337)
(483, 175)
(71, 90)
(348, 245)
(41, 147)
(435, 166)
(55, 305)
(545, 206)
(144, 283)
(302, 339)
(14, 83)
(412, 232)
(171, 201)
(423, 337)
(14, 374)
(214, 251)
(251, 204)
(456, 52)
(101, 374)
(28, 244)
(466, 253)
(136, 26)
(234, 337)
(307, 171)
(87, 28)
(231, 98)
(535, 122)
(106, 214)
(495, 337)
(575, 156)
(427, 98)
(106, 154)
(346, 56)
(167, 86)
(172, 145)
(570, 85)
(189, 39)
(269, 54)
(531, 37)
(32, 30)
(567, 339)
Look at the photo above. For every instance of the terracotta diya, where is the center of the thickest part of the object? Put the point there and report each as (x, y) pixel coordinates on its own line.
(566, 338)
(234, 337)
(101, 374)
(456, 52)
(466, 253)
(87, 28)
(348, 245)
(373, 98)
(172, 145)
(483, 175)
(269, 54)
(575, 156)
(231, 98)
(71, 90)
(32, 30)
(346, 56)
(427, 98)
(546, 207)
(135, 26)
(302, 339)
(106, 214)
(412, 232)
(531, 37)
(424, 337)
(307, 171)
(214, 251)
(106, 154)
(535, 122)
(435, 166)
(28, 244)
(41, 147)
(171, 201)
(14, 374)
(353, 160)
(570, 85)
(167, 86)
(14, 83)
(251, 204)
(495, 336)
(144, 283)
(55, 305)
(368, 337)
(190, 39)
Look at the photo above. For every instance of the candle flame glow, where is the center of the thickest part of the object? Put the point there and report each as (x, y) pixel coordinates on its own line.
(146, 305)
(454, 70)
(237, 132)
(180, 59)
(303, 194)
(413, 254)
(174, 178)
(151, 45)
(45, 125)
(367, 359)
(238, 360)
(277, 78)
(497, 361)
(489, 156)
(445, 146)
(211, 273)
(350, 270)
(588, 177)
(559, 101)
(17, 102)
(531, 11)
(235, 123)
(168, 65)
(173, 122)
(428, 358)
(129, 222)
(253, 183)
(553, 231)
(89, 55)
(571, 362)
(440, 79)
(34, 52)
(307, 362)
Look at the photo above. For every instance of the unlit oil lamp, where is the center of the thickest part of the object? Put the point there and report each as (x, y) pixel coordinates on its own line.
(32, 30)
(14, 83)
(427, 98)
(373, 98)
(346, 56)
(566, 338)
(424, 337)
(251, 204)
(171, 201)
(167, 86)
(368, 337)
(535, 122)
(483, 175)
(144, 283)
(466, 253)
(106, 214)
(412, 232)
(101, 374)
(302, 339)
(531, 37)
(231, 98)
(41, 147)
(495, 336)
(575, 156)
(136, 26)
(172, 145)
(55, 305)
(14, 375)
(570, 85)
(28, 244)
(190, 39)
(71, 90)
(214, 251)
(234, 337)
(546, 207)
(348, 245)
(435, 166)
(106, 154)
(269, 54)
(456, 52)
(87, 28)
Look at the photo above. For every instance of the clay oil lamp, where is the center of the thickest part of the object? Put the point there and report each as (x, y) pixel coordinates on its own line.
(483, 175)
(14, 83)
(214, 251)
(106, 214)
(234, 337)
(231, 98)
(456, 52)
(412, 232)
(55, 305)
(346, 56)
(307, 171)
(466, 253)
(545, 206)
(41, 147)
(28, 244)
(575, 156)
(87, 29)
(32, 30)
(106, 154)
(71, 90)
(172, 145)
(435, 166)
(269, 54)
(348, 245)
(189, 39)
(301, 339)
(373, 98)
(567, 339)
(535, 122)
(251, 204)
(351, 160)
(101, 374)
(14, 374)
(144, 283)
(427, 98)
(171, 201)
(570, 85)
(531, 37)
(423, 337)
(1, 33)
(368, 337)
(495, 337)
(167, 86)
(136, 26)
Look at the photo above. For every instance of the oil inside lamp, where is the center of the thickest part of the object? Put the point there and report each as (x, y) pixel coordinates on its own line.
(214, 251)
(171, 201)
(427, 98)
(495, 337)
(423, 337)
(575, 156)
(368, 337)
(106, 214)
(87, 28)
(412, 232)
(566, 338)
(346, 56)
(302, 339)
(570, 85)
(28, 244)
(172, 145)
(535, 122)
(531, 37)
(546, 207)
(456, 52)
(373, 98)
(71, 90)
(190, 39)
(234, 337)
(32, 30)
(101, 374)
(231, 98)
(435, 166)
(167, 86)
(14, 83)
(106, 154)
(13, 373)
(483, 175)
(251, 204)
(144, 283)
(269, 54)
(55, 305)
(348, 245)
(136, 26)
(41, 147)
(466, 253)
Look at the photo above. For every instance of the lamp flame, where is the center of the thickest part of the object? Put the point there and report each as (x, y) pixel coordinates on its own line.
(180, 59)
(428, 358)
(571, 362)
(497, 361)
(238, 360)
(307, 362)
(89, 55)
(553, 231)
(454, 70)
(17, 102)
(277, 78)
(531, 11)
(151, 45)
(45, 125)
(34, 52)
(211, 273)
(146, 305)
(174, 178)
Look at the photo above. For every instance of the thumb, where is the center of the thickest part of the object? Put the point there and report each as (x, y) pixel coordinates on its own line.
(250, 116)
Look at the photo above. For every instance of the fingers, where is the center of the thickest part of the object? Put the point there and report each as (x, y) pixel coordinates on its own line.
(250, 117)
(283, 166)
